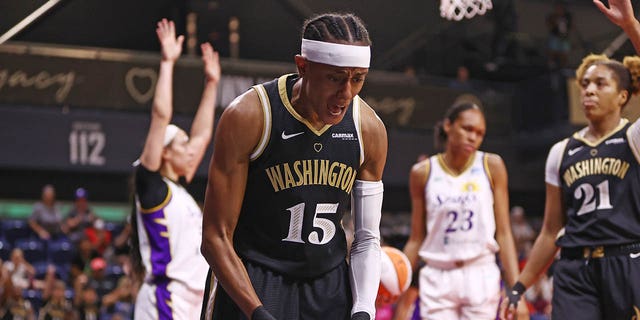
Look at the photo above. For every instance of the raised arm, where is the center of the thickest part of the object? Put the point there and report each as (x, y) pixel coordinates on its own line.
(366, 211)
(202, 127)
(620, 12)
(162, 107)
(237, 134)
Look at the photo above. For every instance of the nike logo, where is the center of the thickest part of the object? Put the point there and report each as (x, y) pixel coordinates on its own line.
(574, 150)
(289, 136)
(634, 255)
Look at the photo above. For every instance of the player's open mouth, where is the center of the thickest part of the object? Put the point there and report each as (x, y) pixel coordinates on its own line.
(336, 110)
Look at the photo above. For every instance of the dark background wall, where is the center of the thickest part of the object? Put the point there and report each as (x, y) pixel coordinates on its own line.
(115, 52)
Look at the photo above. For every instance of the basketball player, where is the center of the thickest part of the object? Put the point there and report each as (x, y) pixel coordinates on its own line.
(169, 222)
(288, 154)
(592, 208)
(459, 201)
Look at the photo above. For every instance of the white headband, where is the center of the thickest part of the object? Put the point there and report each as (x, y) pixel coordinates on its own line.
(169, 134)
(335, 54)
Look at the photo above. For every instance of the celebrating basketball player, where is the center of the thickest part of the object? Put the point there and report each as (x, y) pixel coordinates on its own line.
(167, 224)
(592, 208)
(459, 201)
(288, 154)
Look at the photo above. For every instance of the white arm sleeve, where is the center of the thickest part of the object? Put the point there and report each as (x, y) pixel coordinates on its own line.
(633, 134)
(366, 207)
(552, 167)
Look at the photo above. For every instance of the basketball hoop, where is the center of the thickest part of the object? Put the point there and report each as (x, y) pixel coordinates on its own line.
(458, 9)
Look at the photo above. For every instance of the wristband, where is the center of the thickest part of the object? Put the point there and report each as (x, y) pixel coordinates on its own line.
(261, 313)
(361, 315)
(515, 293)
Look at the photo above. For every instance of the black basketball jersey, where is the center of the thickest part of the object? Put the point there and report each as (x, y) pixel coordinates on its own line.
(600, 190)
(298, 187)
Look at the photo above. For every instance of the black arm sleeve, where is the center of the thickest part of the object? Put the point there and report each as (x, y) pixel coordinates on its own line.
(151, 190)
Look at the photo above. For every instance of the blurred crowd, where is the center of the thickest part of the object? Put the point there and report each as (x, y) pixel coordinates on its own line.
(65, 265)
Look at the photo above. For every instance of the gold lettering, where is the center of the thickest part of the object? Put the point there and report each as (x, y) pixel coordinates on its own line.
(567, 178)
(615, 167)
(275, 177)
(288, 176)
(296, 169)
(338, 181)
(574, 175)
(597, 165)
(333, 175)
(623, 170)
(347, 177)
(324, 171)
(606, 166)
(578, 167)
(315, 171)
(307, 172)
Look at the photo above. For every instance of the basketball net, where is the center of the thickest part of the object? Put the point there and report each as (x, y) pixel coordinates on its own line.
(458, 9)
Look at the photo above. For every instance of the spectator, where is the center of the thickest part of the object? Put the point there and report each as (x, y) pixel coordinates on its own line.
(461, 82)
(559, 24)
(85, 301)
(99, 237)
(80, 216)
(20, 270)
(99, 280)
(523, 233)
(12, 303)
(57, 306)
(121, 247)
(83, 256)
(46, 220)
(120, 301)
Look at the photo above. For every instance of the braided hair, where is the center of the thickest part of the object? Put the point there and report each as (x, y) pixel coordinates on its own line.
(336, 28)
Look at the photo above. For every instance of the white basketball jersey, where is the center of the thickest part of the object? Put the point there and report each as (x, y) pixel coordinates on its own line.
(460, 218)
(176, 227)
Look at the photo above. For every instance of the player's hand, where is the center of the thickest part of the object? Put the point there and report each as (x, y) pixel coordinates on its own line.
(170, 45)
(522, 311)
(620, 12)
(211, 61)
(261, 313)
(513, 306)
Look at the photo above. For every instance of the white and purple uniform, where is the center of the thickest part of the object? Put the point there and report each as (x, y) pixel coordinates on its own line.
(169, 232)
(460, 279)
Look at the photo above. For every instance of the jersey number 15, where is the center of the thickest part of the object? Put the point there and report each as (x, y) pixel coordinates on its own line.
(297, 219)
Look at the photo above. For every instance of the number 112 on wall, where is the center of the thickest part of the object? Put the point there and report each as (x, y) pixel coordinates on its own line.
(86, 147)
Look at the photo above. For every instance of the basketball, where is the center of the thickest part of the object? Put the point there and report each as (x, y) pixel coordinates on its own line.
(395, 276)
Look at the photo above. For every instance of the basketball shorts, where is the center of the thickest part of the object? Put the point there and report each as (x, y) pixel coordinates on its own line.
(466, 291)
(325, 297)
(597, 288)
(165, 301)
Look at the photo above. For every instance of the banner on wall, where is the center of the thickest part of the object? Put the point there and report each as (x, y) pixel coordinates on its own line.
(90, 79)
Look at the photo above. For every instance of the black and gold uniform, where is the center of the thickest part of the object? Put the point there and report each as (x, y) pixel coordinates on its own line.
(601, 192)
(289, 231)
(600, 246)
